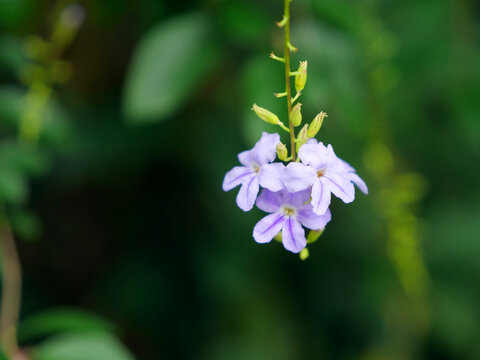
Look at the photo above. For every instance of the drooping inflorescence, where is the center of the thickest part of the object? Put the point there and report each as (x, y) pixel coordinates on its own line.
(297, 189)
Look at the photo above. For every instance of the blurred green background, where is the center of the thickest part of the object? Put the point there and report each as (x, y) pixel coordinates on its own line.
(131, 112)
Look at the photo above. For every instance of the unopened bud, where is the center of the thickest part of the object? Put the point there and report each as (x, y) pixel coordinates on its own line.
(282, 152)
(304, 254)
(316, 124)
(313, 235)
(301, 78)
(266, 115)
(296, 115)
(302, 136)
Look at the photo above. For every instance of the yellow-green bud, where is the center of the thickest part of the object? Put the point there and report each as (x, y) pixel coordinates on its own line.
(304, 254)
(313, 235)
(301, 78)
(302, 136)
(266, 115)
(278, 237)
(296, 114)
(316, 124)
(282, 152)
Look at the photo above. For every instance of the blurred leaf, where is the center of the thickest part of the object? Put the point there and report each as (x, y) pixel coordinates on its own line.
(55, 123)
(12, 56)
(93, 346)
(13, 13)
(2, 355)
(13, 186)
(261, 78)
(25, 159)
(55, 321)
(236, 14)
(167, 66)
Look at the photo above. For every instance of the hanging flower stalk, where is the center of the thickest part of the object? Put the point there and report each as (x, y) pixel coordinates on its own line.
(297, 189)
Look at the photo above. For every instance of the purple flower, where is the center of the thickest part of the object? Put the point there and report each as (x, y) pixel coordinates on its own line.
(322, 170)
(256, 171)
(289, 211)
(350, 173)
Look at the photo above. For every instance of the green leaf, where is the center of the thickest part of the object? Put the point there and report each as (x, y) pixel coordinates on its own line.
(61, 320)
(92, 346)
(167, 66)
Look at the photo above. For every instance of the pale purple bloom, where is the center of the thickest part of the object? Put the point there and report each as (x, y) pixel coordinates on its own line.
(350, 173)
(256, 171)
(324, 172)
(289, 211)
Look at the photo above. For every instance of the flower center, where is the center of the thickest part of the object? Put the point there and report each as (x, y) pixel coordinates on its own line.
(288, 210)
(320, 172)
(255, 167)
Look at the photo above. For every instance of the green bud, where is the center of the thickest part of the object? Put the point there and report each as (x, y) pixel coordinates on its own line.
(304, 254)
(296, 115)
(266, 115)
(301, 79)
(278, 237)
(316, 124)
(313, 235)
(302, 136)
(282, 152)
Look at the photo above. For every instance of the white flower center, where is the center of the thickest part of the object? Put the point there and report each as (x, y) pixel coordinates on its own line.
(255, 167)
(320, 173)
(288, 210)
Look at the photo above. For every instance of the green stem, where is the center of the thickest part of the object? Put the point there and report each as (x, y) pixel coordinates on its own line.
(288, 90)
(11, 291)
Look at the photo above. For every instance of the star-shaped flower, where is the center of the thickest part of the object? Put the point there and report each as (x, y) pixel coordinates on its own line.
(322, 170)
(289, 211)
(257, 170)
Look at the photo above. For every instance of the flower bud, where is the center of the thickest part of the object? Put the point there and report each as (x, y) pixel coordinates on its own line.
(301, 79)
(266, 115)
(282, 152)
(296, 115)
(304, 254)
(302, 136)
(316, 124)
(313, 235)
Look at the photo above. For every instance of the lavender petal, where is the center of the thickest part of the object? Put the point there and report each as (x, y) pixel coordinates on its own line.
(297, 177)
(248, 194)
(268, 227)
(238, 175)
(293, 235)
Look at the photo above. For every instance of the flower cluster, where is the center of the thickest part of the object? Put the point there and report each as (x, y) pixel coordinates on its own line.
(297, 195)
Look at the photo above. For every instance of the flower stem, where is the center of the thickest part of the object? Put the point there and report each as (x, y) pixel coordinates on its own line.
(286, 17)
(11, 291)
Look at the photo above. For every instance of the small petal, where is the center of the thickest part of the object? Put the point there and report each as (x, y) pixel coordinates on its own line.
(357, 180)
(268, 227)
(293, 235)
(270, 176)
(269, 201)
(238, 175)
(248, 194)
(297, 177)
(309, 219)
(265, 149)
(315, 155)
(320, 197)
(246, 157)
(340, 186)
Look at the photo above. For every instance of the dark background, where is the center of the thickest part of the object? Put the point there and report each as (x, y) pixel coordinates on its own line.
(126, 218)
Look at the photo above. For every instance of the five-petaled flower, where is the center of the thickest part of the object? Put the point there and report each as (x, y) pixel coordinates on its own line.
(256, 170)
(289, 211)
(325, 173)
